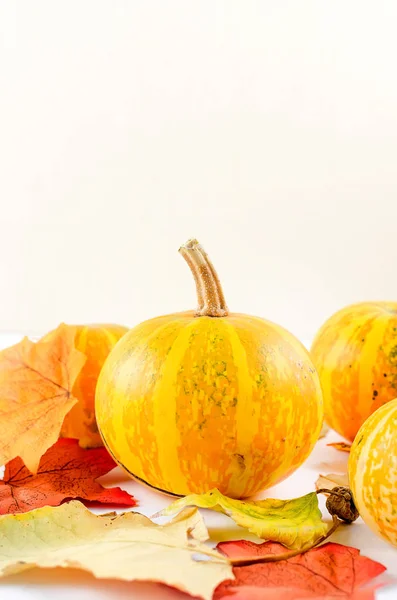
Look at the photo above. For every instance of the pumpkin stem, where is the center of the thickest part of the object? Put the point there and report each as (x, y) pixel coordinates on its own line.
(211, 301)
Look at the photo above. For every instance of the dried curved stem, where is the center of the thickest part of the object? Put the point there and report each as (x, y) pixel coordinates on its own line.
(187, 255)
(211, 301)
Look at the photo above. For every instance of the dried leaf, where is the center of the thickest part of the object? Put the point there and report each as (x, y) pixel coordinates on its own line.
(66, 471)
(342, 446)
(330, 572)
(35, 394)
(340, 504)
(128, 547)
(295, 523)
(327, 482)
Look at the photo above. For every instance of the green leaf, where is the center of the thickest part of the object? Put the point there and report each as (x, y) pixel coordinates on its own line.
(296, 523)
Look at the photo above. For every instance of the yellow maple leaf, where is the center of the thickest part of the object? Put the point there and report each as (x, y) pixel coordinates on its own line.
(36, 380)
(296, 523)
(129, 547)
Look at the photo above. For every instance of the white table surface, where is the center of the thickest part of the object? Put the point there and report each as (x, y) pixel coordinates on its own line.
(64, 584)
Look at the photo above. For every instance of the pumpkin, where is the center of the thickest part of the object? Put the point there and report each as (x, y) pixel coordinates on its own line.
(373, 471)
(195, 400)
(355, 353)
(95, 341)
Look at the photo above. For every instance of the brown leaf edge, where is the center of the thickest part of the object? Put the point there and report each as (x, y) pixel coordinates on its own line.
(341, 446)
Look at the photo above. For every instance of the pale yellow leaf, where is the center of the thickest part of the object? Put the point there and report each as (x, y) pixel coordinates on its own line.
(128, 547)
(327, 482)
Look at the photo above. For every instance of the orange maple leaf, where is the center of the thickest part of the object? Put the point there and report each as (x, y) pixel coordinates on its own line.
(36, 380)
(331, 572)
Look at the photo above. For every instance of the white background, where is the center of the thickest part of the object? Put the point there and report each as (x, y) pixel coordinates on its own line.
(266, 129)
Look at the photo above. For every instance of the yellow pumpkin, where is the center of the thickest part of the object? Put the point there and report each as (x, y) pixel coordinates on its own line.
(373, 471)
(95, 341)
(355, 354)
(195, 400)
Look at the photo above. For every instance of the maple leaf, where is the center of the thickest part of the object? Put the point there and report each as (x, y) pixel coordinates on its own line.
(296, 523)
(66, 471)
(342, 446)
(328, 482)
(36, 380)
(330, 572)
(129, 547)
(246, 592)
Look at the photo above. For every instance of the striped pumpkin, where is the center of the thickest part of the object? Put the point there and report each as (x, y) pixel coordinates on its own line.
(191, 401)
(95, 341)
(373, 472)
(355, 354)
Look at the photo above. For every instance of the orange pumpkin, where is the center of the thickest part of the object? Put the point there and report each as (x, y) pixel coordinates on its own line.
(195, 400)
(373, 471)
(95, 341)
(355, 354)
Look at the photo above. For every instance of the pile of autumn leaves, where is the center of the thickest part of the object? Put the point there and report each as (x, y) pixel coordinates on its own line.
(44, 522)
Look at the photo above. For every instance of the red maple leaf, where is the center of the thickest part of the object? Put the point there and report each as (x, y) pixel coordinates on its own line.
(65, 471)
(331, 572)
